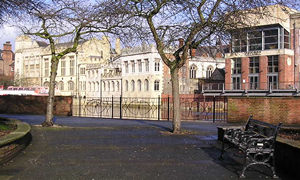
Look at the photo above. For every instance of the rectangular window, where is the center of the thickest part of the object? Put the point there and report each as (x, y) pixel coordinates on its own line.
(126, 66)
(239, 42)
(272, 64)
(254, 65)
(273, 81)
(132, 66)
(271, 39)
(237, 65)
(236, 83)
(31, 73)
(82, 71)
(72, 64)
(140, 65)
(46, 67)
(63, 67)
(255, 40)
(253, 82)
(146, 65)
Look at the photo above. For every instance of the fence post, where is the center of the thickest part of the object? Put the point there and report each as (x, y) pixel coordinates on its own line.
(101, 107)
(112, 106)
(214, 109)
(120, 107)
(158, 108)
(168, 108)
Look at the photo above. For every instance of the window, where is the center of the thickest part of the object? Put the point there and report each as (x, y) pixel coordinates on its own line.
(146, 65)
(139, 85)
(273, 81)
(254, 82)
(156, 85)
(132, 85)
(271, 39)
(132, 66)
(37, 70)
(126, 85)
(108, 86)
(63, 67)
(47, 67)
(82, 71)
(126, 66)
(156, 66)
(236, 82)
(46, 84)
(61, 85)
(273, 72)
(104, 86)
(209, 71)
(72, 63)
(97, 87)
(286, 40)
(193, 71)
(272, 64)
(146, 85)
(71, 85)
(118, 86)
(255, 40)
(140, 65)
(113, 86)
(254, 65)
(239, 42)
(236, 66)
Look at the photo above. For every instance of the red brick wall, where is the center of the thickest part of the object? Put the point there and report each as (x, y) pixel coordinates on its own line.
(263, 71)
(227, 74)
(286, 72)
(245, 73)
(268, 109)
(7, 56)
(34, 105)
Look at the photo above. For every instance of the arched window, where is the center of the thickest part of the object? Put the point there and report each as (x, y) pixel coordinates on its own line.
(193, 71)
(46, 84)
(97, 87)
(156, 85)
(113, 86)
(209, 71)
(146, 85)
(132, 85)
(61, 86)
(71, 85)
(94, 87)
(108, 86)
(104, 87)
(139, 85)
(90, 86)
(126, 85)
(118, 86)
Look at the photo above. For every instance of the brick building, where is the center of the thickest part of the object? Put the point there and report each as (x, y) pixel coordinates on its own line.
(265, 56)
(6, 64)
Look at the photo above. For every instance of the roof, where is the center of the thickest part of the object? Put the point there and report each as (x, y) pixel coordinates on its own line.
(42, 43)
(218, 75)
(211, 51)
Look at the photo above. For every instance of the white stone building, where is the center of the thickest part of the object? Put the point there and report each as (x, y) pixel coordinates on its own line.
(142, 72)
(33, 65)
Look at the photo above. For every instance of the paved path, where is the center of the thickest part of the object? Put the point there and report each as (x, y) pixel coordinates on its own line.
(90, 148)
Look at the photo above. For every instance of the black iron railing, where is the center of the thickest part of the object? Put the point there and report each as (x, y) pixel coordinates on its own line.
(200, 108)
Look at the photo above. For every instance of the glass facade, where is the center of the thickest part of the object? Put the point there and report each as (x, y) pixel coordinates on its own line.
(264, 38)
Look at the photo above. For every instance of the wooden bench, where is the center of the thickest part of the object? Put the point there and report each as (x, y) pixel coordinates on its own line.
(256, 140)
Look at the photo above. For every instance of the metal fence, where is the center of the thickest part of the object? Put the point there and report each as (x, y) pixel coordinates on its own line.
(201, 108)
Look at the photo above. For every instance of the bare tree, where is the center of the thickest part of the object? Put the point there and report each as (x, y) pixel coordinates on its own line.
(198, 22)
(70, 21)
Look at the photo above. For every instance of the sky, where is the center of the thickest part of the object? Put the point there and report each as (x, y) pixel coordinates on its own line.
(8, 33)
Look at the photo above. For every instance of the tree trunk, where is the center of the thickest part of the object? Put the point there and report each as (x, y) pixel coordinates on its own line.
(176, 101)
(50, 102)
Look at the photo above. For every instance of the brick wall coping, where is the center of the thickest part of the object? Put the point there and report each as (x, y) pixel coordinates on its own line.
(22, 130)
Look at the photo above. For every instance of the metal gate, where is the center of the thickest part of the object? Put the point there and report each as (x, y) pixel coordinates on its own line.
(200, 108)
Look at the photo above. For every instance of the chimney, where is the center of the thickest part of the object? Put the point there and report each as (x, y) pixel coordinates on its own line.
(118, 46)
(193, 52)
(181, 41)
(7, 46)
